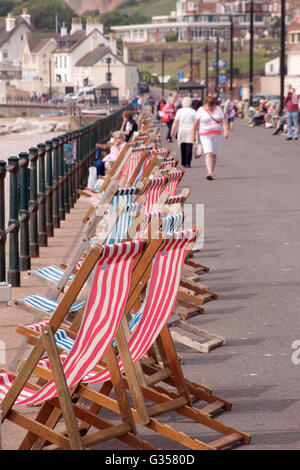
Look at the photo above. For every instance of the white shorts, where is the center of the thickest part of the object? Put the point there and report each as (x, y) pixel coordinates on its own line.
(211, 143)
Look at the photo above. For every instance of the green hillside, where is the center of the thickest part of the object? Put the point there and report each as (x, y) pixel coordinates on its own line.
(147, 8)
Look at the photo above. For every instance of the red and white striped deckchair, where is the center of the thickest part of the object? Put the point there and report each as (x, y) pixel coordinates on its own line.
(102, 317)
(175, 177)
(156, 310)
(153, 192)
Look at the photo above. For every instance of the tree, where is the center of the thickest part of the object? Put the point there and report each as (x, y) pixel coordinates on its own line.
(43, 13)
(171, 37)
(8, 6)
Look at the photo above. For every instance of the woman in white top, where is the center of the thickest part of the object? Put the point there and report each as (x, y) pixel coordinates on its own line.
(184, 119)
(208, 126)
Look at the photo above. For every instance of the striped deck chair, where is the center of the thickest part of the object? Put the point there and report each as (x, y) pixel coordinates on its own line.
(148, 323)
(153, 316)
(154, 190)
(105, 307)
(175, 177)
(115, 234)
(55, 276)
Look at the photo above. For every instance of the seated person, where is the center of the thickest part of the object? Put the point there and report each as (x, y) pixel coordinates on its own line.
(259, 116)
(129, 125)
(106, 163)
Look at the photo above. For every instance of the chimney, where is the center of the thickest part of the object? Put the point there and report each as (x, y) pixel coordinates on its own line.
(10, 22)
(76, 25)
(92, 23)
(113, 44)
(25, 15)
(63, 30)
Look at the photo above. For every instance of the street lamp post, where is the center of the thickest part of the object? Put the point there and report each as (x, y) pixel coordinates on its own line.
(206, 64)
(251, 54)
(108, 75)
(282, 54)
(217, 66)
(231, 55)
(163, 73)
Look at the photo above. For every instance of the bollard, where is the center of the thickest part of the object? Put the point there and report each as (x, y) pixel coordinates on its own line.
(2, 222)
(49, 191)
(55, 184)
(43, 241)
(33, 204)
(25, 263)
(62, 213)
(13, 224)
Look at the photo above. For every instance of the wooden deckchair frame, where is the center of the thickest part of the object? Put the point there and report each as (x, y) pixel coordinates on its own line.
(69, 411)
(166, 401)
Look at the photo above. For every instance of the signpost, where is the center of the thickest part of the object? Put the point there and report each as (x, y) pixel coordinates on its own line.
(180, 74)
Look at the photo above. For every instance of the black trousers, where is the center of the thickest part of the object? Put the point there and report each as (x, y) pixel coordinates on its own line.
(170, 124)
(186, 153)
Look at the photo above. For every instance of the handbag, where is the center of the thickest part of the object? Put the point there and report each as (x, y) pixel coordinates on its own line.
(198, 150)
(165, 118)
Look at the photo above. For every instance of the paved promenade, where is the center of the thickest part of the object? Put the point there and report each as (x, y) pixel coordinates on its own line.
(252, 247)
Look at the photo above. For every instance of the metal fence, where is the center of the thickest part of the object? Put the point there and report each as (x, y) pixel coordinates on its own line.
(43, 184)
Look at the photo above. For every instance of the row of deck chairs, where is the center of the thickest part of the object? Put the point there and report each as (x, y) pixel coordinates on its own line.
(104, 341)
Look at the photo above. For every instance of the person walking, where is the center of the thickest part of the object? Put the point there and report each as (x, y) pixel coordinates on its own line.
(229, 111)
(184, 120)
(209, 124)
(292, 113)
(169, 116)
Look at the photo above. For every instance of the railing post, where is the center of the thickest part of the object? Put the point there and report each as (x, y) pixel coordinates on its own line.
(62, 213)
(49, 191)
(66, 178)
(25, 262)
(2, 222)
(43, 240)
(76, 165)
(13, 224)
(33, 204)
(56, 219)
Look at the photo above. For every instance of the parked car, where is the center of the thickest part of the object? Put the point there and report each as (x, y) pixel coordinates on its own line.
(144, 87)
(256, 99)
(273, 98)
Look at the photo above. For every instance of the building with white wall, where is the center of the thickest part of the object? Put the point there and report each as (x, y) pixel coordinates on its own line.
(12, 33)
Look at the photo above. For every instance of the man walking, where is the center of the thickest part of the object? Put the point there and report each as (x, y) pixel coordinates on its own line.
(292, 113)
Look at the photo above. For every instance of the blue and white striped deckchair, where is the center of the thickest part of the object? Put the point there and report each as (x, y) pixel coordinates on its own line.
(51, 274)
(45, 305)
(172, 223)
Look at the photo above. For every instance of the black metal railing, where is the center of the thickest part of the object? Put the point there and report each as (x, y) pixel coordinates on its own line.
(43, 185)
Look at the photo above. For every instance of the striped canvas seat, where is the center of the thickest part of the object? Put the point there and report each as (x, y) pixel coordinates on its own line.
(153, 192)
(172, 223)
(175, 177)
(51, 274)
(159, 302)
(166, 163)
(178, 199)
(142, 168)
(45, 304)
(130, 166)
(54, 274)
(104, 310)
(62, 339)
